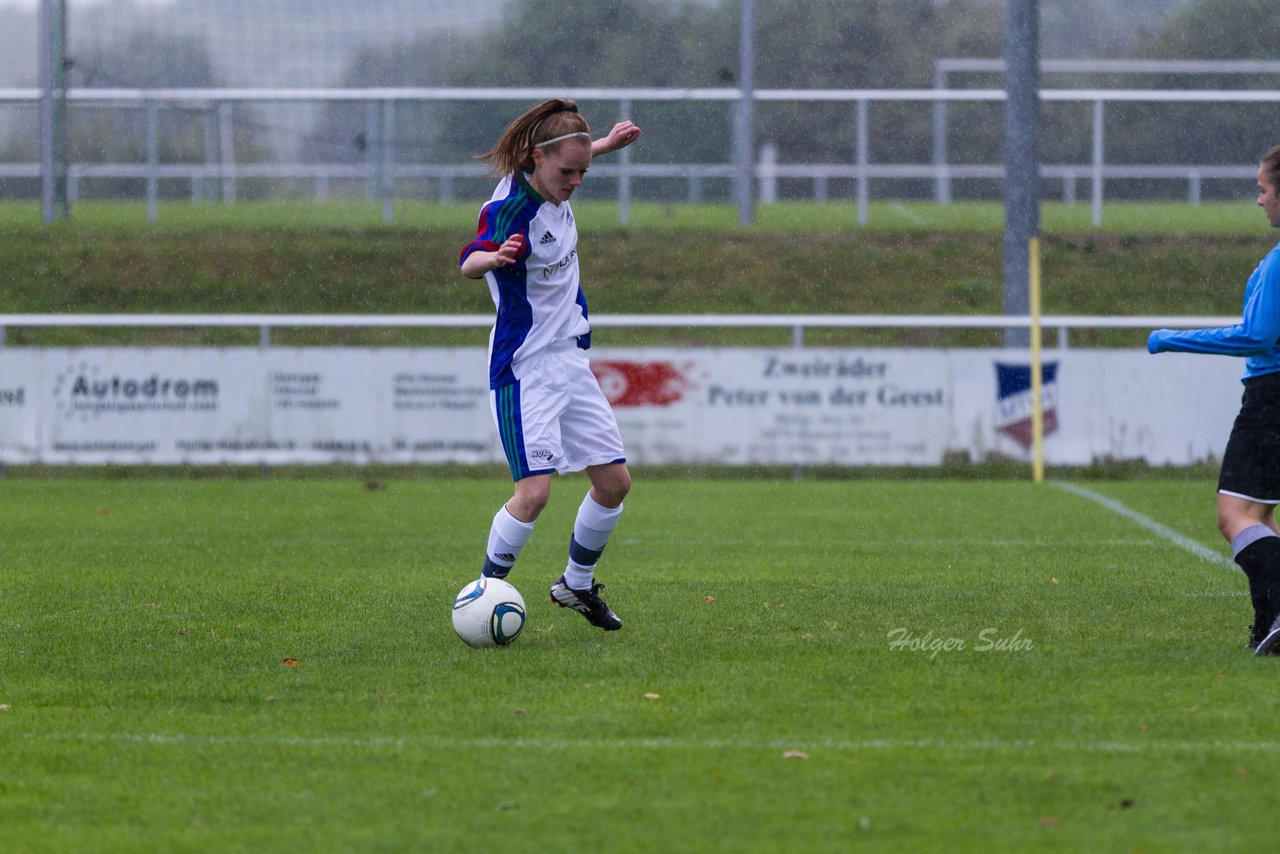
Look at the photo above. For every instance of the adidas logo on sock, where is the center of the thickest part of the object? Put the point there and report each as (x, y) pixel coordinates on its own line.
(546, 238)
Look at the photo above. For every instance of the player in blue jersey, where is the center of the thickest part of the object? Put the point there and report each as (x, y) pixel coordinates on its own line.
(550, 412)
(1249, 482)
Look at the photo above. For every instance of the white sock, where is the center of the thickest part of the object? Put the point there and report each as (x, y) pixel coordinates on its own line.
(591, 530)
(507, 538)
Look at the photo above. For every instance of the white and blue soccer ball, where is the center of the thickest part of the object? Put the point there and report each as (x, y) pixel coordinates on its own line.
(488, 612)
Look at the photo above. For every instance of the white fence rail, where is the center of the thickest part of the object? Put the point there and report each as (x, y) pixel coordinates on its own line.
(797, 323)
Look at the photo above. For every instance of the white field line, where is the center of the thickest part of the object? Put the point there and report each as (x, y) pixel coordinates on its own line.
(1213, 594)
(1186, 543)
(683, 744)
(871, 542)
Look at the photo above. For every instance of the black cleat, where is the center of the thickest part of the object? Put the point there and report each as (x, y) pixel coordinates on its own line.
(1268, 638)
(1261, 626)
(589, 604)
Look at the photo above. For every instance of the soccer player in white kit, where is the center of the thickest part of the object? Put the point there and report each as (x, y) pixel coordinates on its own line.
(548, 407)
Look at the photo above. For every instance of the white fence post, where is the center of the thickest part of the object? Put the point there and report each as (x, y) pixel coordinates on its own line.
(372, 184)
(768, 173)
(864, 156)
(208, 188)
(624, 167)
(1097, 163)
(388, 141)
(942, 180)
(153, 160)
(227, 150)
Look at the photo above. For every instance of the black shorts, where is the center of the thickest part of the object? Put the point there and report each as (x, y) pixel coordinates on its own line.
(1251, 463)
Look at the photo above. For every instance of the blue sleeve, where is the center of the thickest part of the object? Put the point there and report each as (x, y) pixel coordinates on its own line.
(486, 233)
(498, 221)
(1257, 331)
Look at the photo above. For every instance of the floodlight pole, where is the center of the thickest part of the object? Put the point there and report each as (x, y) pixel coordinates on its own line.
(1022, 157)
(744, 126)
(53, 110)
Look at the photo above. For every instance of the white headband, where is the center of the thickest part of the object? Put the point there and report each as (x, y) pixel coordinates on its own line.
(562, 138)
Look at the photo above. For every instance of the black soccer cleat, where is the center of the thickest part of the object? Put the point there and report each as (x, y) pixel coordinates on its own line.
(587, 603)
(1269, 642)
(1261, 626)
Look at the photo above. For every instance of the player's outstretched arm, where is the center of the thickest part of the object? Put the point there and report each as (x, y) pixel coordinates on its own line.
(1257, 331)
(622, 135)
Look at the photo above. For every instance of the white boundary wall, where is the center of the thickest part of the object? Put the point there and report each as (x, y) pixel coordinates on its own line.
(277, 405)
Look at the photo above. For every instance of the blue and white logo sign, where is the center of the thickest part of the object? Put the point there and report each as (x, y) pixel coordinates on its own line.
(1013, 400)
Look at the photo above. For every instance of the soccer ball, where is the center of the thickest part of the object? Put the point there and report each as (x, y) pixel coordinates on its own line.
(488, 612)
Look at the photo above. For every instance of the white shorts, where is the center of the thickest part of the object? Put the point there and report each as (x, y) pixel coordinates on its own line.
(555, 418)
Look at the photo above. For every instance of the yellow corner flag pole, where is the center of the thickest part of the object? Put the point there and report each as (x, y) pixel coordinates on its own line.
(1037, 381)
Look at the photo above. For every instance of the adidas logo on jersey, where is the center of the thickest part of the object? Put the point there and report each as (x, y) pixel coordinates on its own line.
(547, 237)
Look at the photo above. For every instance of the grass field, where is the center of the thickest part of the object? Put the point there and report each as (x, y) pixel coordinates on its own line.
(1077, 680)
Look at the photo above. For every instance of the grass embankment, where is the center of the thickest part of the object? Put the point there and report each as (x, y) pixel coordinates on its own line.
(799, 259)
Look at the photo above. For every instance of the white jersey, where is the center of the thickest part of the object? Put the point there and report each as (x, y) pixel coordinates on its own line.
(538, 298)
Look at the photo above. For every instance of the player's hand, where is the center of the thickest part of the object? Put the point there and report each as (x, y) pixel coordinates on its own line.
(622, 135)
(509, 251)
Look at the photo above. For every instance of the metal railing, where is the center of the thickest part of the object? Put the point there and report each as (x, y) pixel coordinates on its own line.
(944, 69)
(797, 323)
(767, 172)
(220, 170)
